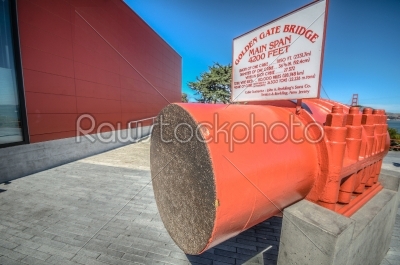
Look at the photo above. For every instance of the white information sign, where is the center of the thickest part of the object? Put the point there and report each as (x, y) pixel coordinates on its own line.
(282, 59)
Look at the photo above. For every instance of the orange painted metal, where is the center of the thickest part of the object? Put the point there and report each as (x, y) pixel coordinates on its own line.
(350, 162)
(360, 200)
(256, 179)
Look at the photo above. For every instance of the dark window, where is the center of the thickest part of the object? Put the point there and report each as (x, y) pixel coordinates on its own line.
(12, 105)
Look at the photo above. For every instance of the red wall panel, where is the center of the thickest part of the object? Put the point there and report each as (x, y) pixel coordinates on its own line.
(52, 136)
(42, 82)
(34, 59)
(36, 38)
(96, 75)
(50, 103)
(95, 90)
(43, 123)
(40, 14)
(97, 105)
(92, 57)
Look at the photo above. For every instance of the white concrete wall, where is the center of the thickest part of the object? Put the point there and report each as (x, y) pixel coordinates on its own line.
(22, 160)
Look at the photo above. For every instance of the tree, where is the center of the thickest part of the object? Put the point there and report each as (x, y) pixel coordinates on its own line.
(215, 85)
(393, 133)
(185, 98)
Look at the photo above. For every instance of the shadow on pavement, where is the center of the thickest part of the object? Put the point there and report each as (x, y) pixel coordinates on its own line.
(256, 245)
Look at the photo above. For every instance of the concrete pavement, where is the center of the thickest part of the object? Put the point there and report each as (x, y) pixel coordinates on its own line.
(101, 210)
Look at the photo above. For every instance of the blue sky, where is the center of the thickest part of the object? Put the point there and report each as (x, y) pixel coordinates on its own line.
(362, 52)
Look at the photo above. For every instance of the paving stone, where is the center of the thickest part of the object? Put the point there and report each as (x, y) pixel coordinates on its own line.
(83, 259)
(129, 250)
(170, 260)
(12, 225)
(71, 249)
(8, 261)
(119, 241)
(114, 261)
(11, 254)
(108, 233)
(82, 238)
(18, 233)
(7, 244)
(59, 233)
(32, 252)
(35, 232)
(48, 242)
(24, 242)
(102, 243)
(57, 260)
(103, 250)
(385, 262)
(88, 253)
(69, 241)
(55, 251)
(178, 255)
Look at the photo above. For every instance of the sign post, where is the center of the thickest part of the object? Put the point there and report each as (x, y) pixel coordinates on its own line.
(281, 59)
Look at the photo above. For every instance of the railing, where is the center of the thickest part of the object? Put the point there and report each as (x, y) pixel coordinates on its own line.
(139, 122)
